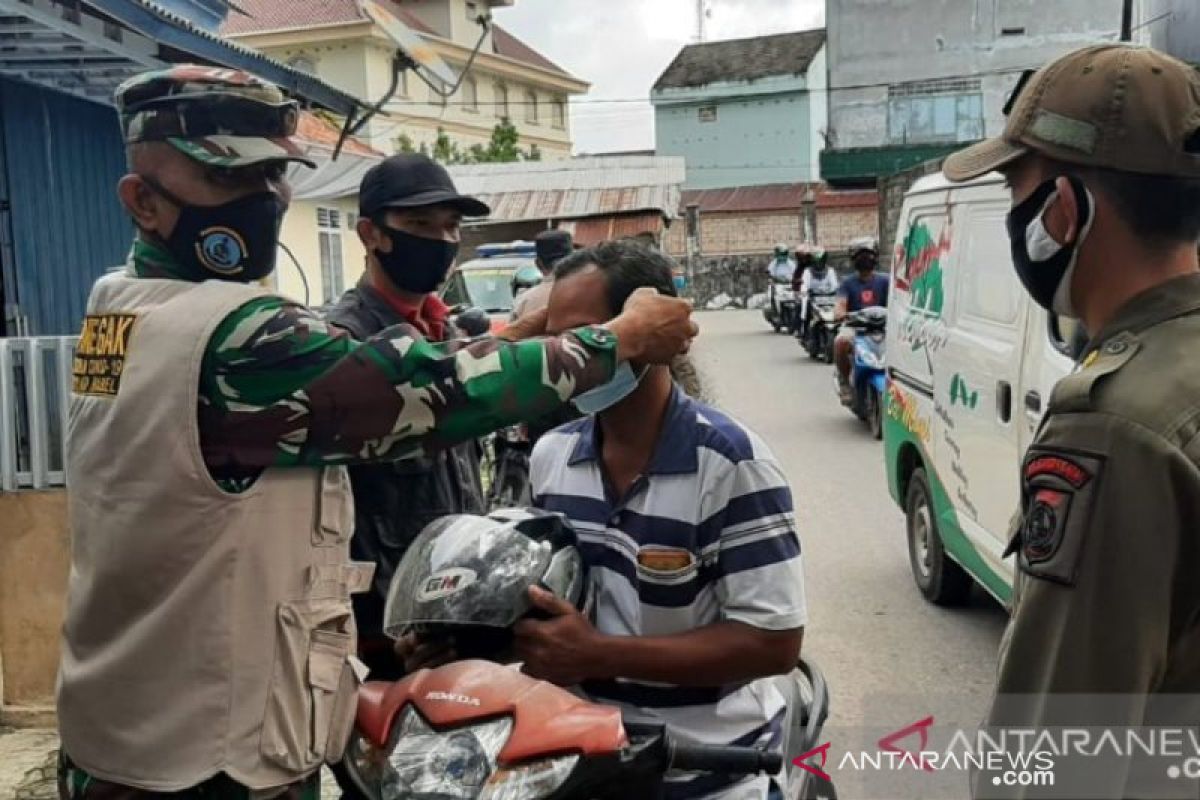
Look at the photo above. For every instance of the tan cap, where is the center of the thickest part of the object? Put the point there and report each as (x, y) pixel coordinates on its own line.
(1116, 106)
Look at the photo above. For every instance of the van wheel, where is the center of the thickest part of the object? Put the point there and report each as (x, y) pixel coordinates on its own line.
(939, 578)
(875, 412)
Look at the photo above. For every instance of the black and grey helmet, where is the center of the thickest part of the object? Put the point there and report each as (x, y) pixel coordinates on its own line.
(467, 577)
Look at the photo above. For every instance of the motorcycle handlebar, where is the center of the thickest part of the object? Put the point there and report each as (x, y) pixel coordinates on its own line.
(725, 760)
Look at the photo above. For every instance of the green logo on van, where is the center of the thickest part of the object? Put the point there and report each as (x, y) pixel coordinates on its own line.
(923, 256)
(920, 274)
(961, 395)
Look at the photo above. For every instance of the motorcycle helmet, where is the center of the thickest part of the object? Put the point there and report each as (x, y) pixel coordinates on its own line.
(864, 244)
(466, 578)
(525, 278)
(811, 256)
(782, 251)
(473, 322)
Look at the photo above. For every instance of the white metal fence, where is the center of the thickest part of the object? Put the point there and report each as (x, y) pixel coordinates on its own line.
(35, 389)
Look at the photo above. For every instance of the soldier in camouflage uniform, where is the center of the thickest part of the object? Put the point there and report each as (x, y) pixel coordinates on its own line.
(208, 642)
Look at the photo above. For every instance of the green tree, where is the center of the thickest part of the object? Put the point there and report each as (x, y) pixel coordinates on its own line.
(404, 144)
(502, 148)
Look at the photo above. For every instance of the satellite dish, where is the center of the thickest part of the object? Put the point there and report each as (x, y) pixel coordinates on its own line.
(410, 44)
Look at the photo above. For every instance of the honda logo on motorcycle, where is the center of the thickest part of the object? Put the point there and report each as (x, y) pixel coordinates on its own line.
(447, 697)
(445, 583)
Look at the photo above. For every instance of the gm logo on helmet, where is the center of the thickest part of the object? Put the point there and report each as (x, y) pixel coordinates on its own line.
(222, 250)
(445, 583)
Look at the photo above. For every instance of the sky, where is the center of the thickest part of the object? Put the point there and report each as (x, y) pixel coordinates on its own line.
(622, 46)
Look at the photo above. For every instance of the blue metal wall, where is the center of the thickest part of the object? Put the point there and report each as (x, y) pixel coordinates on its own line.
(63, 157)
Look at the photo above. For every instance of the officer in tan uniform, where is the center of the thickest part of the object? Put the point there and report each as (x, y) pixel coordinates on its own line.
(1102, 154)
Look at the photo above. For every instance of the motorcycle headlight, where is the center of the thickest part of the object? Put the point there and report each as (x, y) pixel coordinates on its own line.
(424, 764)
(530, 781)
(870, 359)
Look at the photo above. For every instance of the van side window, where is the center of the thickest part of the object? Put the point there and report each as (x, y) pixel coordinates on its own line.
(989, 287)
(1067, 335)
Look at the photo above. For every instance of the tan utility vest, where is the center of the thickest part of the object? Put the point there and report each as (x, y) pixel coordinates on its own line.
(206, 632)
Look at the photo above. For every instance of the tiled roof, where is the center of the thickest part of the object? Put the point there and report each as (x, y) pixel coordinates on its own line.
(742, 59)
(271, 15)
(509, 46)
(314, 129)
(275, 15)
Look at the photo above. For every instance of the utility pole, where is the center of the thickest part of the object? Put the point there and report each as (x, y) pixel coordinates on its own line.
(701, 18)
(1127, 21)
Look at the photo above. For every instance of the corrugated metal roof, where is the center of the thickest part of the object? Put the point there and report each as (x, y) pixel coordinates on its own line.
(588, 232)
(575, 188)
(769, 197)
(88, 49)
(742, 59)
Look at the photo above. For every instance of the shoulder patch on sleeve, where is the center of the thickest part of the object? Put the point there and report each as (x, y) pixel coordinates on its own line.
(1058, 489)
(1074, 392)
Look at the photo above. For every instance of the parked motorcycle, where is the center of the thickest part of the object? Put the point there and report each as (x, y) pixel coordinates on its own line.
(508, 485)
(780, 310)
(481, 730)
(868, 382)
(820, 326)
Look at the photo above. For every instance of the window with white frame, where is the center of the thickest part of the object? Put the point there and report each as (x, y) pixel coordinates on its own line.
(558, 113)
(502, 101)
(949, 110)
(531, 106)
(329, 234)
(470, 92)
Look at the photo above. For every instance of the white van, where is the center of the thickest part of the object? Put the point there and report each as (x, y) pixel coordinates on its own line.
(971, 363)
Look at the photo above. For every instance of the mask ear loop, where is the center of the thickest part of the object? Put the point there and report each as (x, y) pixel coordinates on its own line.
(162, 191)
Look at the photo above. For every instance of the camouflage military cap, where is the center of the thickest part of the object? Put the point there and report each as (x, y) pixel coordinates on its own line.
(217, 116)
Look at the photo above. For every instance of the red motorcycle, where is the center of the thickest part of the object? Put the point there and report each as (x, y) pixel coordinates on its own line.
(476, 730)
(482, 730)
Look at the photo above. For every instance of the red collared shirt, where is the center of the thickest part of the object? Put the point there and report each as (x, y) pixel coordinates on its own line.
(428, 316)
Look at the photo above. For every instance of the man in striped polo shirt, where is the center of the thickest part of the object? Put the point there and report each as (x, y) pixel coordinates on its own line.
(686, 522)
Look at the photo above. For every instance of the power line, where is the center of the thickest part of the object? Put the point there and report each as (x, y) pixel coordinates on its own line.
(588, 101)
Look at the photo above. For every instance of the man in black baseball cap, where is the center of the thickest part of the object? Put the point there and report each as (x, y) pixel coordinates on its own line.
(409, 221)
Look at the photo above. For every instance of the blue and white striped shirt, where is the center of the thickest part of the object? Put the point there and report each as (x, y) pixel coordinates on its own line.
(706, 535)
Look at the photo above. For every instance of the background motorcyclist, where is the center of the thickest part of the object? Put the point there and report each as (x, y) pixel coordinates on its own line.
(865, 288)
(524, 279)
(782, 271)
(812, 275)
(782, 266)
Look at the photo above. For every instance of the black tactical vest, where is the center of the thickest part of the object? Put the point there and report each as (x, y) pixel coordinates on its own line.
(394, 502)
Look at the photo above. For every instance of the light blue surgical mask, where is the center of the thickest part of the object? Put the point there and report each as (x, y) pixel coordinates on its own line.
(607, 395)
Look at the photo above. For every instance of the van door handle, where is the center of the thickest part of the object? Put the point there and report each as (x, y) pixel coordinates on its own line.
(1033, 402)
(1004, 400)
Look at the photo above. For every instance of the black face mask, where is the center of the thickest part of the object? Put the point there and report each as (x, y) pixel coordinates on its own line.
(416, 264)
(234, 241)
(1044, 266)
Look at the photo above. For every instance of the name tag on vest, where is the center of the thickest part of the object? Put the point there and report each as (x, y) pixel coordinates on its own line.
(100, 354)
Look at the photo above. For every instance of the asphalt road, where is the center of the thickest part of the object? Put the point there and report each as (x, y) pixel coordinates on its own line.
(890, 657)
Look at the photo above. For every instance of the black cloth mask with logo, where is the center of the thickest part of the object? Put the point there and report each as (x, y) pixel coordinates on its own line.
(416, 264)
(234, 241)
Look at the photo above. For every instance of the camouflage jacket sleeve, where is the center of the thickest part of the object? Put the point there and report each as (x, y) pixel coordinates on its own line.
(278, 387)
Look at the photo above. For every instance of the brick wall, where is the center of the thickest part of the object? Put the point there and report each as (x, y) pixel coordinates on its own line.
(891, 199)
(836, 227)
(738, 234)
